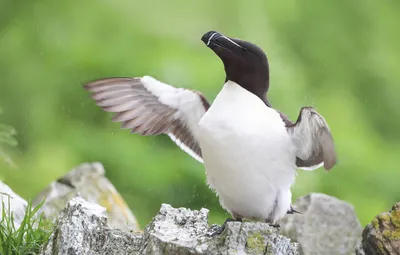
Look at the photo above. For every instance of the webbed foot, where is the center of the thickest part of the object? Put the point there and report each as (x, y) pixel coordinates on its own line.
(272, 223)
(292, 211)
(222, 228)
(275, 225)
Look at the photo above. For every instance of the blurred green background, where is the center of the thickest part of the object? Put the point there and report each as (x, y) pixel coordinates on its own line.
(342, 57)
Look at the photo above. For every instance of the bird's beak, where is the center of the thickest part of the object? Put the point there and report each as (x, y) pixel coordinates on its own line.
(215, 40)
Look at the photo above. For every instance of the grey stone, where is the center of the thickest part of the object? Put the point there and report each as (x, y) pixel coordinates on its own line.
(82, 229)
(182, 231)
(12, 203)
(88, 181)
(326, 225)
(382, 235)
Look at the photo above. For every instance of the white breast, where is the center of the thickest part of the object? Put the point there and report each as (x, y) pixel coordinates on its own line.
(248, 155)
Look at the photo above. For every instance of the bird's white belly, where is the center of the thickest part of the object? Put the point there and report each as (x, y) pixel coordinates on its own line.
(249, 158)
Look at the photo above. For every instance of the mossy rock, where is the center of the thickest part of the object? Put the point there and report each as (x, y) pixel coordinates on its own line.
(256, 243)
(382, 236)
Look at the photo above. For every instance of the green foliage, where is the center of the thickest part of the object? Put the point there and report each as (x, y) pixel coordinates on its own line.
(7, 134)
(7, 138)
(339, 56)
(29, 237)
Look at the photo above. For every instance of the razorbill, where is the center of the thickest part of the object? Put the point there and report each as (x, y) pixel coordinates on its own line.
(250, 150)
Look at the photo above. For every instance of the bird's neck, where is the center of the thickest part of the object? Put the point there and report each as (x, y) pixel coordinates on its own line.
(255, 84)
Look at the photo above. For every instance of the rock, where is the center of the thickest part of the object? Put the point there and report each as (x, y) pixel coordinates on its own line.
(360, 250)
(326, 225)
(82, 229)
(182, 231)
(12, 203)
(88, 181)
(382, 235)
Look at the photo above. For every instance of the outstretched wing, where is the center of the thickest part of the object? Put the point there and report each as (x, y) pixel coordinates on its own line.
(150, 107)
(313, 141)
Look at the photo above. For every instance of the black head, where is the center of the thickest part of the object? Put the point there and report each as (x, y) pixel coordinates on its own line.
(245, 63)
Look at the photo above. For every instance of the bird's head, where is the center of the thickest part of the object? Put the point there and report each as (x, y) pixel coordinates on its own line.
(245, 63)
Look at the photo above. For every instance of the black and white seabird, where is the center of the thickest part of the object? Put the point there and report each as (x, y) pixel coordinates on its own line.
(250, 150)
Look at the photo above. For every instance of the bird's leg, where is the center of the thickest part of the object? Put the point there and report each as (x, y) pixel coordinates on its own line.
(275, 225)
(272, 223)
(292, 211)
(222, 228)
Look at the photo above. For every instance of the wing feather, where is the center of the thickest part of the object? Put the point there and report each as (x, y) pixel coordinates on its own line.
(150, 107)
(313, 141)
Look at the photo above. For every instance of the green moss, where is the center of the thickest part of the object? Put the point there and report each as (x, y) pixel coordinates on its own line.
(375, 223)
(392, 234)
(395, 217)
(385, 217)
(380, 247)
(255, 242)
(391, 222)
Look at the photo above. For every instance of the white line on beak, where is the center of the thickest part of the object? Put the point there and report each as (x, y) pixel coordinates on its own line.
(231, 41)
(209, 39)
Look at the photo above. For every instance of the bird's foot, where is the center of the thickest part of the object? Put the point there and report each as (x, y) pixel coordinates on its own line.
(272, 223)
(292, 211)
(275, 225)
(222, 228)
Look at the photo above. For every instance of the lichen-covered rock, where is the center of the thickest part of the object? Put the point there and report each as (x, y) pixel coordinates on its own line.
(382, 235)
(175, 229)
(326, 225)
(82, 229)
(252, 238)
(88, 181)
(12, 203)
(182, 231)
